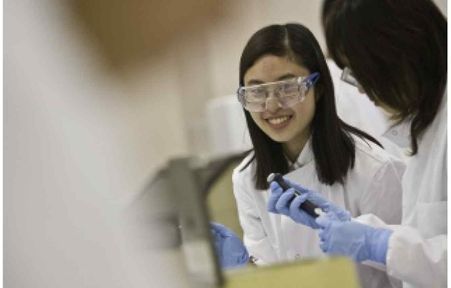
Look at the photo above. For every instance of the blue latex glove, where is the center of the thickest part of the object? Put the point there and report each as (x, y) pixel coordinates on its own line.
(358, 241)
(287, 203)
(229, 248)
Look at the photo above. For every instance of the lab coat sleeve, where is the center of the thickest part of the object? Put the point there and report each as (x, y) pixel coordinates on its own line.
(416, 260)
(255, 237)
(412, 258)
(383, 196)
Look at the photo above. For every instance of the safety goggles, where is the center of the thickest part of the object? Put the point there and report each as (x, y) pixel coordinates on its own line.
(288, 93)
(348, 77)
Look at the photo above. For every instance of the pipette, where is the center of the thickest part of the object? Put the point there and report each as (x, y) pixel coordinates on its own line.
(307, 206)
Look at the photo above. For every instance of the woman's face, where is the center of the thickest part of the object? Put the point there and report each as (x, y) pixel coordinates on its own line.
(386, 108)
(291, 125)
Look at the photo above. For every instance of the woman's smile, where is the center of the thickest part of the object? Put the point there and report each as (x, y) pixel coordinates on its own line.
(279, 122)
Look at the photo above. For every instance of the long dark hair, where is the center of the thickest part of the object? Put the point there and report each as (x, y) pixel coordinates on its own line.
(333, 146)
(397, 51)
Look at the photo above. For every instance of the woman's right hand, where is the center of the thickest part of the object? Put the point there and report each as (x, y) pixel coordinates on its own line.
(288, 203)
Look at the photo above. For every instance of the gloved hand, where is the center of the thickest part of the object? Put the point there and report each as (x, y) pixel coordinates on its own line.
(358, 241)
(229, 248)
(288, 203)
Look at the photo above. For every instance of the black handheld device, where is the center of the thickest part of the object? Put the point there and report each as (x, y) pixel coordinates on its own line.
(307, 206)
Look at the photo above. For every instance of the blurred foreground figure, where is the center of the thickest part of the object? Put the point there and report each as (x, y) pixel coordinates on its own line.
(71, 151)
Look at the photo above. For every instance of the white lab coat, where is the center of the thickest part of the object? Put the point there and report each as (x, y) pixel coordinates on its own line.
(417, 251)
(372, 186)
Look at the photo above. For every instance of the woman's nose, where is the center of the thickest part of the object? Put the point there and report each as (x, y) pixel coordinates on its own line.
(272, 104)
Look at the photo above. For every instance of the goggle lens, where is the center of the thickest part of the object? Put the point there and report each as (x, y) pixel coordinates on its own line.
(348, 77)
(288, 93)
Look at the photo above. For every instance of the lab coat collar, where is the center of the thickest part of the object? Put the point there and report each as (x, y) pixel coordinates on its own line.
(399, 133)
(304, 157)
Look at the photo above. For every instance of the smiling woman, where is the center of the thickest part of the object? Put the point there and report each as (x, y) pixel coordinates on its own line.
(291, 125)
(288, 99)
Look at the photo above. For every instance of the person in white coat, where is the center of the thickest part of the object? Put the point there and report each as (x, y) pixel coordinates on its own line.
(361, 113)
(287, 94)
(396, 52)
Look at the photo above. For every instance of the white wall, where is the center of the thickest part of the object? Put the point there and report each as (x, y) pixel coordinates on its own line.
(442, 4)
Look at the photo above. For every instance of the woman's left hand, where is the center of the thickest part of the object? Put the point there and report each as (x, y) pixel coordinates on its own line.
(229, 248)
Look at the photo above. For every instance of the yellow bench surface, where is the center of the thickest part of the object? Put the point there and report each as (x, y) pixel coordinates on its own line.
(330, 272)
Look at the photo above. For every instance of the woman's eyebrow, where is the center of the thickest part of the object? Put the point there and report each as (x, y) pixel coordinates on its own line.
(254, 82)
(286, 76)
